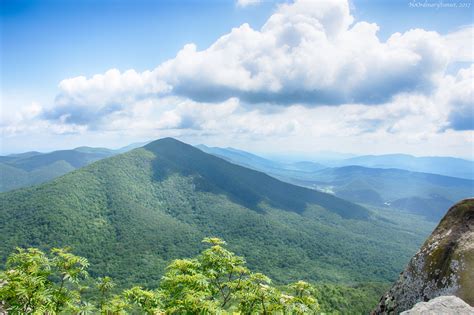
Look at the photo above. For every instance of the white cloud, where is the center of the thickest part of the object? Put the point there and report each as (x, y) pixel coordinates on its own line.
(112, 85)
(461, 44)
(459, 93)
(307, 58)
(227, 117)
(27, 121)
(86, 101)
(308, 52)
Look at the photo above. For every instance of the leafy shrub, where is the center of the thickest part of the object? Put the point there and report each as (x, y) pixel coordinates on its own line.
(214, 282)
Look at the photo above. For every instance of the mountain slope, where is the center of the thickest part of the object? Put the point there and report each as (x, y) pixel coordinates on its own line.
(132, 213)
(31, 168)
(244, 186)
(419, 193)
(76, 158)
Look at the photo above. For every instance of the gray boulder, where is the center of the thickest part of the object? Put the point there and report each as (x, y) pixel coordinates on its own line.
(443, 266)
(442, 305)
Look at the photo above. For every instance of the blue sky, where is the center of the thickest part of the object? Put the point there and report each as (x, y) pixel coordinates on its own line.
(45, 42)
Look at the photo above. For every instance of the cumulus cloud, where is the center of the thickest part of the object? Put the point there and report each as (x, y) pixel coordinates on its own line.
(461, 99)
(324, 71)
(227, 117)
(461, 44)
(85, 101)
(27, 121)
(191, 115)
(308, 52)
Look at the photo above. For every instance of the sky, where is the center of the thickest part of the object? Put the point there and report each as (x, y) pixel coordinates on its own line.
(299, 77)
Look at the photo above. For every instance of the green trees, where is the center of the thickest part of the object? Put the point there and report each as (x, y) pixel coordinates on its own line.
(36, 283)
(132, 214)
(215, 282)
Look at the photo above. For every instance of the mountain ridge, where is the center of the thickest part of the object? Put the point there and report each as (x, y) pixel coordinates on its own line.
(448, 166)
(401, 190)
(131, 213)
(303, 194)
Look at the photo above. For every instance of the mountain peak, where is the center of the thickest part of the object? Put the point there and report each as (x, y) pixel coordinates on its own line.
(247, 187)
(164, 140)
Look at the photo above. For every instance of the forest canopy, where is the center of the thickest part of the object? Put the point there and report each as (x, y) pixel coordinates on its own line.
(214, 282)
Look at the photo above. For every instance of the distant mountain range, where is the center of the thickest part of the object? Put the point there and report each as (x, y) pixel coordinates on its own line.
(421, 193)
(396, 188)
(448, 166)
(259, 163)
(31, 168)
(131, 213)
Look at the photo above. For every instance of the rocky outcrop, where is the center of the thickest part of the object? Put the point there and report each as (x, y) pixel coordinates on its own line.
(446, 305)
(444, 265)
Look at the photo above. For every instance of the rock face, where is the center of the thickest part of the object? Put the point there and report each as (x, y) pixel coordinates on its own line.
(441, 305)
(444, 265)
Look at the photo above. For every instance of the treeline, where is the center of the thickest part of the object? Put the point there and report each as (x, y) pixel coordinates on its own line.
(214, 282)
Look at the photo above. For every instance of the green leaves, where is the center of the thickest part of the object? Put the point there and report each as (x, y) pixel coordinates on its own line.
(105, 284)
(185, 288)
(71, 267)
(146, 301)
(218, 281)
(215, 282)
(213, 241)
(303, 300)
(27, 285)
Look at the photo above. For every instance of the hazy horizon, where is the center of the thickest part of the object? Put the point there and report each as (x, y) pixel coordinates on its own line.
(281, 155)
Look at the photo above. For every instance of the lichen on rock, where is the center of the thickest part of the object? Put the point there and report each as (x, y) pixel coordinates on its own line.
(444, 265)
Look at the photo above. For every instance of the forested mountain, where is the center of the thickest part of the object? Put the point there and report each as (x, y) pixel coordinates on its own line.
(420, 193)
(30, 168)
(132, 213)
(214, 282)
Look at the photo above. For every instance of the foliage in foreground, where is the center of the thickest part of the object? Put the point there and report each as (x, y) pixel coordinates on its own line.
(216, 281)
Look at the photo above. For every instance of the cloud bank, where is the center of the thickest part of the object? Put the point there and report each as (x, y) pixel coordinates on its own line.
(308, 52)
(310, 71)
(312, 53)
